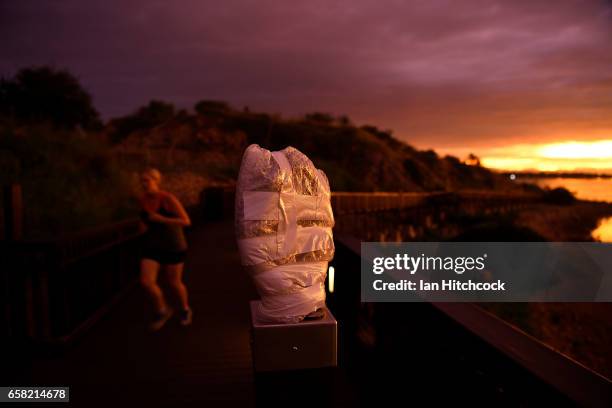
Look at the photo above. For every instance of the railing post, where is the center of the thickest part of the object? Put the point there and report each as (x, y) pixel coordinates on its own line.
(13, 212)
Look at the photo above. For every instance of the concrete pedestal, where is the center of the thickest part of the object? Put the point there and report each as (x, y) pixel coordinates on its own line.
(294, 346)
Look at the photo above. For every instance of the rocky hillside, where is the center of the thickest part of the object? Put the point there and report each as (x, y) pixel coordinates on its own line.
(206, 147)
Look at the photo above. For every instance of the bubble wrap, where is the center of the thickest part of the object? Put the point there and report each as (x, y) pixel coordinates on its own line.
(283, 222)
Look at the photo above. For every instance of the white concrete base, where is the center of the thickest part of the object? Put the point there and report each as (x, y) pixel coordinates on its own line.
(294, 346)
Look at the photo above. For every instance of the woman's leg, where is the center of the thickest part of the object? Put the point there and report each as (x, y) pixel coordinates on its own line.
(149, 270)
(175, 279)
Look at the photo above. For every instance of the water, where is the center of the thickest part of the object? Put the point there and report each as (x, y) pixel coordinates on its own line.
(603, 232)
(598, 189)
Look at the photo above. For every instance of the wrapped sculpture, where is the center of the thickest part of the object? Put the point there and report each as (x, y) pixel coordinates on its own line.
(284, 224)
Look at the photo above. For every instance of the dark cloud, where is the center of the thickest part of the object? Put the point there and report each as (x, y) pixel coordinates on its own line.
(440, 73)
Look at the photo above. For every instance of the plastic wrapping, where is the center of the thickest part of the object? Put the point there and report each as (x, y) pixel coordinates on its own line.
(283, 221)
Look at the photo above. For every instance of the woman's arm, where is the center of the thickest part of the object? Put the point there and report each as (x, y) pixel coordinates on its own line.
(182, 218)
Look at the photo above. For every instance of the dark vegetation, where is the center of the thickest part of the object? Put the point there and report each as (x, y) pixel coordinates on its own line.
(355, 158)
(53, 142)
(559, 196)
(45, 95)
(65, 177)
(77, 172)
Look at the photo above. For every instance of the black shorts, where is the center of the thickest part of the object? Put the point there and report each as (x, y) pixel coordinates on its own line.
(164, 257)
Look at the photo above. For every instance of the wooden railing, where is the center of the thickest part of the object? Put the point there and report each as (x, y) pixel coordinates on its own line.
(219, 201)
(408, 216)
(52, 291)
(55, 290)
(579, 383)
(350, 203)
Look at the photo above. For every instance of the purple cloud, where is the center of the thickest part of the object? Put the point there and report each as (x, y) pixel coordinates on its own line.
(440, 73)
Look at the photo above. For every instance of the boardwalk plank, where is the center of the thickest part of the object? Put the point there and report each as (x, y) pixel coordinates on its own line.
(206, 362)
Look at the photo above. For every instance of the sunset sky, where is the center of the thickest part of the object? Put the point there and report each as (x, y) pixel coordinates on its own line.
(521, 83)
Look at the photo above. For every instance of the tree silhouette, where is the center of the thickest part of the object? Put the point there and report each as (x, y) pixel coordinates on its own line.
(44, 94)
(319, 117)
(207, 107)
(146, 117)
(344, 120)
(472, 160)
(155, 113)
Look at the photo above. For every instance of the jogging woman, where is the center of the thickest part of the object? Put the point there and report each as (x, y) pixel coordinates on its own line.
(164, 247)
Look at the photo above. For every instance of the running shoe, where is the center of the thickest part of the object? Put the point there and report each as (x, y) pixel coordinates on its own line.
(160, 320)
(186, 316)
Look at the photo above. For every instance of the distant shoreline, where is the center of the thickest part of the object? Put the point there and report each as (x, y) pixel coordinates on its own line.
(546, 174)
(565, 223)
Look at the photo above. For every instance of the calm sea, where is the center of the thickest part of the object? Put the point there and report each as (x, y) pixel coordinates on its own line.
(603, 232)
(588, 189)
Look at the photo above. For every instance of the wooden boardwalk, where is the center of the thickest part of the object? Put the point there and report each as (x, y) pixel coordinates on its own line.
(119, 363)
(418, 352)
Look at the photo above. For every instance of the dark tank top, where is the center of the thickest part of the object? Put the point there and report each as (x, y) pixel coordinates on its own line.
(161, 236)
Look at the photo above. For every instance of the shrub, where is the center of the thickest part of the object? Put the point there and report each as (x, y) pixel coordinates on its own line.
(559, 196)
(208, 107)
(146, 117)
(70, 181)
(46, 95)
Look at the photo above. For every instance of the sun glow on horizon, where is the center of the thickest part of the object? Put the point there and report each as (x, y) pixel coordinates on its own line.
(601, 149)
(561, 156)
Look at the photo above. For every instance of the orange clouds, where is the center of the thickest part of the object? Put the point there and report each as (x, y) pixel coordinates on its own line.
(562, 156)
